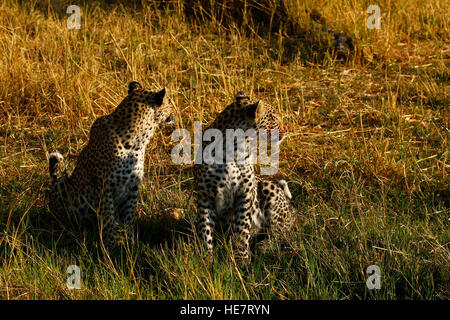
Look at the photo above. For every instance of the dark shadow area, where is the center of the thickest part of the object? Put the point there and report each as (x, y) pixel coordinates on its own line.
(310, 37)
(161, 230)
(35, 227)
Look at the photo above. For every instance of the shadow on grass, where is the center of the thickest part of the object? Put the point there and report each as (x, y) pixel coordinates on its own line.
(38, 230)
(287, 35)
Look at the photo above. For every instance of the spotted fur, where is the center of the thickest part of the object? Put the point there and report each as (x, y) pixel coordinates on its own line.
(227, 193)
(103, 187)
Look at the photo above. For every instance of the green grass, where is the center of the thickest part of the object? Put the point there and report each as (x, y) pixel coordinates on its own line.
(366, 156)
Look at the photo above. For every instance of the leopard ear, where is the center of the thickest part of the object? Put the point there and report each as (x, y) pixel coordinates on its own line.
(240, 96)
(133, 85)
(255, 110)
(260, 110)
(159, 96)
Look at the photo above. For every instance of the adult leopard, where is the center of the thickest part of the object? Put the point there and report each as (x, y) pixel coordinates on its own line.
(103, 187)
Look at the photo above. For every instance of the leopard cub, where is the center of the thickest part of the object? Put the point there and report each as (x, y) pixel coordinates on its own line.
(277, 212)
(228, 192)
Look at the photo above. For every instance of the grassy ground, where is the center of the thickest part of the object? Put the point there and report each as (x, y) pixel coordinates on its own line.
(366, 155)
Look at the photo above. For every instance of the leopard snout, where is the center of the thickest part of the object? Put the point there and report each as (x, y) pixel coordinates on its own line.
(168, 125)
(170, 119)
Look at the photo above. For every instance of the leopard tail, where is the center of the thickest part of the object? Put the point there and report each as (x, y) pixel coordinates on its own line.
(54, 159)
(283, 184)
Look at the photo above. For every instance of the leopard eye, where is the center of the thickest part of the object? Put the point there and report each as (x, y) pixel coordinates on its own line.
(133, 85)
(170, 119)
(159, 96)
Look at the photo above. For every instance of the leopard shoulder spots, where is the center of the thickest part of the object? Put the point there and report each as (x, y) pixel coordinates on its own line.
(228, 191)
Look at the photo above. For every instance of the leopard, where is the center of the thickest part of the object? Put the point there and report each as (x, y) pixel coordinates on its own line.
(102, 191)
(227, 192)
(278, 214)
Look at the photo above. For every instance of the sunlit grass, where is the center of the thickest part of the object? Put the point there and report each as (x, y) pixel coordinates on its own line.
(366, 155)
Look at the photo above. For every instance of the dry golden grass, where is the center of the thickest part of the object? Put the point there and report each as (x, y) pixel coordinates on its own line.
(366, 154)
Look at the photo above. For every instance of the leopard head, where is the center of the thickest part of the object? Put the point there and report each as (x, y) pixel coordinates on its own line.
(144, 99)
(246, 114)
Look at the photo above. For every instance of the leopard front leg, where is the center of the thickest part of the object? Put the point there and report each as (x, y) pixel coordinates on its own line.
(126, 212)
(107, 220)
(247, 206)
(206, 223)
